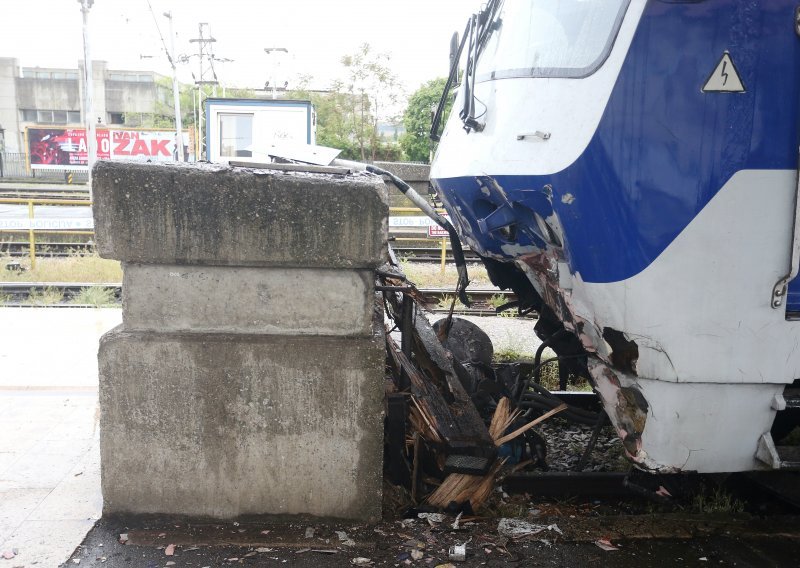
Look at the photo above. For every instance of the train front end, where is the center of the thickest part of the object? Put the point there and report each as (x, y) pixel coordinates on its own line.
(630, 168)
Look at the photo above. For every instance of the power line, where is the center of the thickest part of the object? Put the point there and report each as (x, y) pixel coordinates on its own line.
(160, 35)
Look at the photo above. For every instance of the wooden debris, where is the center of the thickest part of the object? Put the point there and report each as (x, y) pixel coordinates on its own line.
(459, 488)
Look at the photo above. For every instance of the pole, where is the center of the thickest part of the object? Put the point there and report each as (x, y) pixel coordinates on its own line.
(88, 94)
(275, 63)
(444, 253)
(32, 236)
(175, 92)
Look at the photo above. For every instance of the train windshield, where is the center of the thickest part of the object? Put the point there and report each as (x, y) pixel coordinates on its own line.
(550, 38)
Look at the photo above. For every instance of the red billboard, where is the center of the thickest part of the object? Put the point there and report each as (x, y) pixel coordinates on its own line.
(57, 148)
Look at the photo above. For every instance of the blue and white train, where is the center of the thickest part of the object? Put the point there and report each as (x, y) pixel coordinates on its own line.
(630, 167)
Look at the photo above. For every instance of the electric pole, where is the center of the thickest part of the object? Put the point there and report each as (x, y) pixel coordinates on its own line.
(274, 78)
(88, 92)
(206, 53)
(175, 90)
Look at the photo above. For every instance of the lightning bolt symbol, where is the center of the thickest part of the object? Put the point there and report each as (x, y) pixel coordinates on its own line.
(724, 74)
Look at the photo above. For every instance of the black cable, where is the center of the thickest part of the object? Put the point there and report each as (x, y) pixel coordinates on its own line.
(455, 241)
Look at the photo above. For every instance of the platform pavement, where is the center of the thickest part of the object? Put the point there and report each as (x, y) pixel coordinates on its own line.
(49, 459)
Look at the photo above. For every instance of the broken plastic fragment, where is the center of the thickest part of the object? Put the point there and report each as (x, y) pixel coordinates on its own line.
(605, 544)
(515, 528)
(361, 561)
(170, 550)
(344, 539)
(432, 518)
(458, 519)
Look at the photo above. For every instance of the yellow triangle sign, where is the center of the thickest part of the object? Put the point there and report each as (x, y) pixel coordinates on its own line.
(725, 77)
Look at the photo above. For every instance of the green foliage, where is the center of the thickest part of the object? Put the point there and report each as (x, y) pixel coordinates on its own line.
(416, 142)
(45, 297)
(508, 354)
(716, 501)
(349, 112)
(95, 296)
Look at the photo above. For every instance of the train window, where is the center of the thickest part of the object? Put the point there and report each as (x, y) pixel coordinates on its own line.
(551, 38)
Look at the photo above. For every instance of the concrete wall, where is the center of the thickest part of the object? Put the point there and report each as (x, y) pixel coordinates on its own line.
(129, 96)
(9, 115)
(247, 376)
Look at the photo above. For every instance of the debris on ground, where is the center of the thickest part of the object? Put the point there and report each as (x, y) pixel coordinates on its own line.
(605, 544)
(519, 529)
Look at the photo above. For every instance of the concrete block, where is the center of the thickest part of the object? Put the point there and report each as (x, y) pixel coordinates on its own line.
(218, 215)
(215, 299)
(228, 425)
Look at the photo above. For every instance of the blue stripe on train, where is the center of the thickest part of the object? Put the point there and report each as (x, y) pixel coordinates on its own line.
(663, 148)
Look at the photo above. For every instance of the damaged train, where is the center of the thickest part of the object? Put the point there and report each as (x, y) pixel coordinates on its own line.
(630, 169)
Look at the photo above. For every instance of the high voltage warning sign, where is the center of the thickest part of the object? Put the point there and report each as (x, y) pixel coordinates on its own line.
(725, 77)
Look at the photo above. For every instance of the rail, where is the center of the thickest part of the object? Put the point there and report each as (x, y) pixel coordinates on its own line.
(32, 230)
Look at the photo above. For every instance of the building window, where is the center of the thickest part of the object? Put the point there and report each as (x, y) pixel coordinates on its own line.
(116, 118)
(51, 116)
(145, 78)
(116, 76)
(71, 75)
(236, 135)
(43, 74)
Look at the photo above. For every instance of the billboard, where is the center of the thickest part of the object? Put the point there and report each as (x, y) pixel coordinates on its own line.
(60, 148)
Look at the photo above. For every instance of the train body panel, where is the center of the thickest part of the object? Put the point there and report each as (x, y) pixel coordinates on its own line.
(649, 197)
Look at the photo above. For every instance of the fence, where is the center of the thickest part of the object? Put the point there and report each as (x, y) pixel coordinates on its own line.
(29, 226)
(14, 165)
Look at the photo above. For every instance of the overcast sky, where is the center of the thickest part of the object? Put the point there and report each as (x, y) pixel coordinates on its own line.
(317, 33)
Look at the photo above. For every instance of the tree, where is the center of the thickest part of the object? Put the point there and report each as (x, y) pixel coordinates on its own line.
(416, 142)
(349, 112)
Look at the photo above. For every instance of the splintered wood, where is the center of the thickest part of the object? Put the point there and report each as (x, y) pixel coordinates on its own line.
(458, 488)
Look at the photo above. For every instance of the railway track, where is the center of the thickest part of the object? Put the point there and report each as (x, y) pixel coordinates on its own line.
(437, 299)
(430, 254)
(45, 249)
(484, 300)
(55, 294)
(410, 254)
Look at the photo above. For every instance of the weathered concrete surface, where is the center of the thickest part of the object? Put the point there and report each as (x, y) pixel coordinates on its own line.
(217, 215)
(228, 425)
(292, 301)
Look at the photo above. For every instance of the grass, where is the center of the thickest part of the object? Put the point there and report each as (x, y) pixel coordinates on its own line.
(508, 355)
(446, 300)
(97, 297)
(427, 275)
(78, 267)
(717, 501)
(45, 297)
